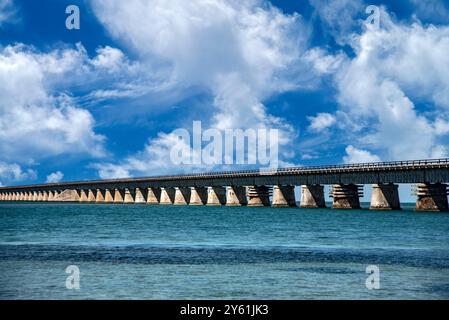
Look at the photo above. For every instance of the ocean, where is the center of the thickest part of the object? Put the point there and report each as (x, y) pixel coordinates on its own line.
(181, 252)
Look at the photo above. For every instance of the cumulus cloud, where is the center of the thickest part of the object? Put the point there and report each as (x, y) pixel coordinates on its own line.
(395, 67)
(13, 172)
(354, 155)
(240, 52)
(55, 177)
(37, 119)
(321, 121)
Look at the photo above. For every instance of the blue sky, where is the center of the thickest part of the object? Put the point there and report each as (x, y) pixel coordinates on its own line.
(103, 101)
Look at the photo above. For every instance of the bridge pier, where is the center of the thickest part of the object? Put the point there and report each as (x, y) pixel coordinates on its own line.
(216, 196)
(258, 196)
(50, 196)
(167, 196)
(312, 197)
(284, 196)
(198, 196)
(129, 196)
(91, 196)
(236, 196)
(100, 196)
(385, 197)
(346, 196)
(153, 195)
(119, 196)
(432, 197)
(182, 196)
(108, 197)
(83, 196)
(139, 197)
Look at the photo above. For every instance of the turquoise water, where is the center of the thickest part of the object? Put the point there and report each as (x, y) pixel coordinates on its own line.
(168, 252)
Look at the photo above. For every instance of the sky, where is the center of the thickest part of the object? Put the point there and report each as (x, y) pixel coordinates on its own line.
(105, 100)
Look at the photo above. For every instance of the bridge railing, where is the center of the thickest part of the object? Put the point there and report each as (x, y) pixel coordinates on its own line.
(373, 166)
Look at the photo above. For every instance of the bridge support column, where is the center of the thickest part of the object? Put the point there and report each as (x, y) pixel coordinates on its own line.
(45, 196)
(385, 197)
(154, 195)
(216, 196)
(139, 198)
(182, 196)
(167, 196)
(431, 197)
(236, 196)
(312, 196)
(50, 196)
(100, 196)
(108, 197)
(91, 196)
(83, 196)
(119, 196)
(346, 196)
(284, 196)
(198, 196)
(258, 196)
(39, 196)
(129, 196)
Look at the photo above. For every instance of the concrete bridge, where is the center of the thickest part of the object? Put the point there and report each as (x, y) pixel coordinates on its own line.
(260, 188)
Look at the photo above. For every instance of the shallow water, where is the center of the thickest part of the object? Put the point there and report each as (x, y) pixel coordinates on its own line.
(171, 252)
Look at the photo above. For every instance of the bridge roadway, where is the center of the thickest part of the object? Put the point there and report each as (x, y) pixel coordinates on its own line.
(254, 187)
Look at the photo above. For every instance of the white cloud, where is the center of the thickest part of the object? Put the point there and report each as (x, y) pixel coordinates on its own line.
(55, 177)
(7, 11)
(241, 52)
(36, 120)
(354, 155)
(12, 172)
(321, 122)
(339, 17)
(394, 67)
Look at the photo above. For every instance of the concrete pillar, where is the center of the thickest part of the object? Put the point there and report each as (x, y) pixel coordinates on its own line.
(13, 197)
(51, 196)
(167, 196)
(216, 196)
(153, 195)
(44, 196)
(385, 197)
(129, 196)
(1, 196)
(236, 196)
(431, 197)
(83, 196)
(182, 196)
(284, 196)
(10, 197)
(108, 197)
(139, 198)
(100, 196)
(91, 197)
(198, 196)
(346, 196)
(39, 196)
(258, 196)
(119, 196)
(312, 196)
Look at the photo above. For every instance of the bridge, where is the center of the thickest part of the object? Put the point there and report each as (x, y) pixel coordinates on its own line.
(260, 187)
